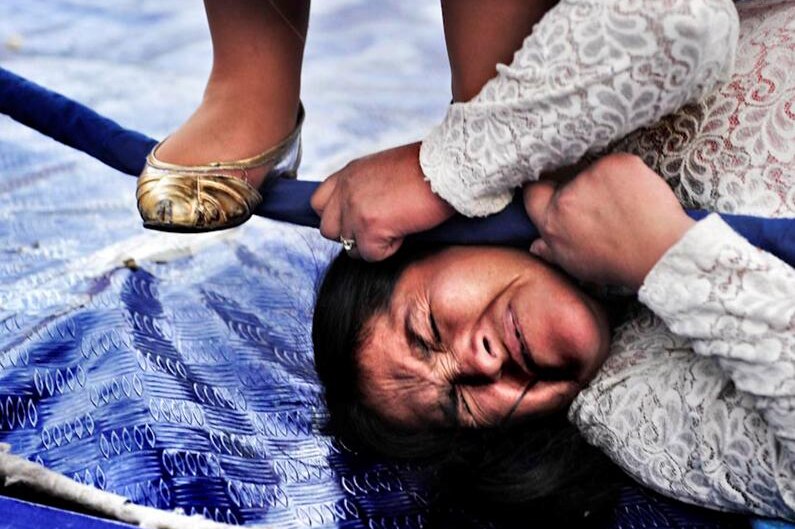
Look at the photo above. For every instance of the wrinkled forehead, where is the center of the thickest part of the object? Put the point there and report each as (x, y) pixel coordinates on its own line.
(396, 382)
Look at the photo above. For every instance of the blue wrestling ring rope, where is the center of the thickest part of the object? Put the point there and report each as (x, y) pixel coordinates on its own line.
(78, 126)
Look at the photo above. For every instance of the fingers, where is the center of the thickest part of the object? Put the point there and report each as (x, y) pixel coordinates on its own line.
(541, 249)
(331, 218)
(371, 249)
(346, 203)
(374, 249)
(370, 246)
(354, 252)
(323, 194)
(537, 198)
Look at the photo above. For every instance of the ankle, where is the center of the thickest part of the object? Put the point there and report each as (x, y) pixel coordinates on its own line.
(253, 95)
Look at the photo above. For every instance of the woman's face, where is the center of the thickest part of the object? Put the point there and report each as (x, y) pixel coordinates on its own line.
(478, 336)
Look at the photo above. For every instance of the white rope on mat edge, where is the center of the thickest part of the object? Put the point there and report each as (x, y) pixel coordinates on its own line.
(17, 470)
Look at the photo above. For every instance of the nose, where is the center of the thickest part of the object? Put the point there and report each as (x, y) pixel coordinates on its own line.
(482, 360)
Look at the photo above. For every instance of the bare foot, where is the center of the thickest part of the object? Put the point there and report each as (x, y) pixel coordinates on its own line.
(227, 127)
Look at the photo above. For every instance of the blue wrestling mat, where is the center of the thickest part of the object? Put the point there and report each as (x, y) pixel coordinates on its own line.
(177, 370)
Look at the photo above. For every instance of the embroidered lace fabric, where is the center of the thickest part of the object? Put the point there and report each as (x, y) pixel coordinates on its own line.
(591, 72)
(704, 413)
(734, 150)
(698, 401)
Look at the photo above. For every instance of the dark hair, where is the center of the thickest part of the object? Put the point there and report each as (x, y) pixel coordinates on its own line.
(543, 465)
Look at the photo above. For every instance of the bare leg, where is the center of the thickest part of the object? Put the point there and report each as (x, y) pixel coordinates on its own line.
(480, 34)
(252, 96)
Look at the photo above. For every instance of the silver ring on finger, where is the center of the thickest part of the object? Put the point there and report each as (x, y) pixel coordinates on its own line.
(348, 244)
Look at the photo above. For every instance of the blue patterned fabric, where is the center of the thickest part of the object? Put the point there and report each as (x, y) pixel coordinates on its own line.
(177, 370)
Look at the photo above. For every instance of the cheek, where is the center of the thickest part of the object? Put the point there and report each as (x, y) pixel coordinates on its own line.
(581, 338)
(492, 404)
(459, 299)
(544, 398)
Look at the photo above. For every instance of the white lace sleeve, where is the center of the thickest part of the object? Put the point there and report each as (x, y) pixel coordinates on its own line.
(737, 304)
(591, 72)
(698, 402)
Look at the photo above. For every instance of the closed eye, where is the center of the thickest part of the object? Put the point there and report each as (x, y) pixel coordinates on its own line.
(416, 341)
(470, 420)
(437, 336)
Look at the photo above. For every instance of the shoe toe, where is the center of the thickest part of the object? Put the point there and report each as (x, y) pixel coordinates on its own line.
(194, 203)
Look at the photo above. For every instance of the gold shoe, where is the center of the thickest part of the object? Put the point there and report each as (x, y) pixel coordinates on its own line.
(216, 196)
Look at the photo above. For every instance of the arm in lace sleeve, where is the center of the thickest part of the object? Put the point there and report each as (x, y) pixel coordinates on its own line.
(591, 72)
(736, 304)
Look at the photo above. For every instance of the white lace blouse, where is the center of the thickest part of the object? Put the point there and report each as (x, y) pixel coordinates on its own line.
(591, 72)
(697, 399)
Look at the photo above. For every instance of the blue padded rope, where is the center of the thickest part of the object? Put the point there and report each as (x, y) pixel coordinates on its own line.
(77, 126)
(73, 124)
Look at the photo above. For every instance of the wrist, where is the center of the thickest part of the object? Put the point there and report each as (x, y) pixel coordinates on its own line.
(440, 208)
(427, 208)
(671, 232)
